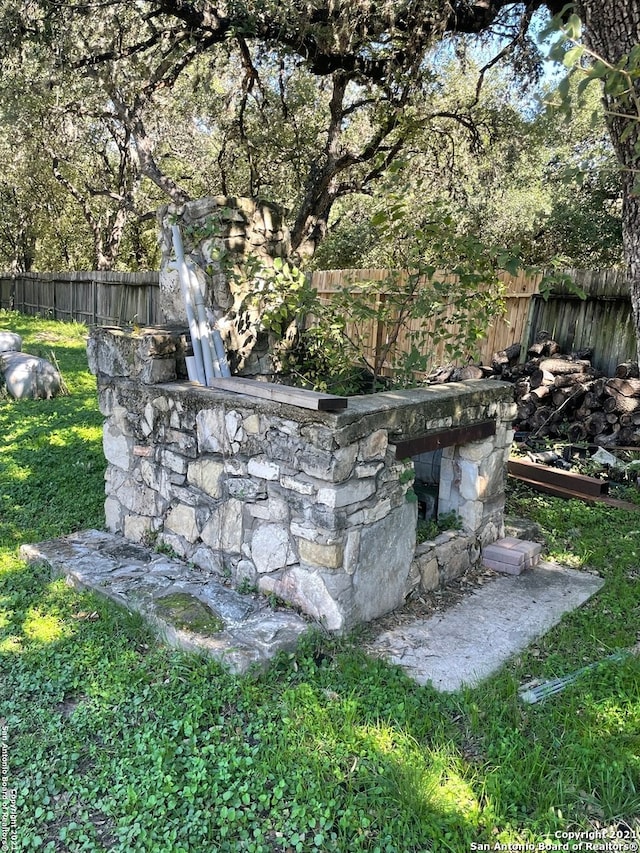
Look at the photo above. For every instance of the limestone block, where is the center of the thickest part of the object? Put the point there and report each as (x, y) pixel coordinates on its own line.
(155, 476)
(262, 468)
(386, 550)
(173, 461)
(182, 521)
(224, 530)
(117, 446)
(251, 425)
(471, 513)
(233, 426)
(475, 451)
(10, 341)
(113, 515)
(319, 436)
(245, 575)
(374, 446)
(368, 470)
(271, 548)
(176, 543)
(492, 470)
(334, 466)
(181, 442)
(138, 528)
(351, 551)
(274, 508)
(29, 377)
(206, 474)
(371, 514)
(429, 574)
(211, 432)
(205, 559)
(235, 467)
(345, 494)
(472, 485)
(317, 554)
(300, 485)
(138, 498)
(307, 591)
(246, 489)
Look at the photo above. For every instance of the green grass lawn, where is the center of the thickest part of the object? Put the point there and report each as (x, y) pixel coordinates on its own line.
(116, 743)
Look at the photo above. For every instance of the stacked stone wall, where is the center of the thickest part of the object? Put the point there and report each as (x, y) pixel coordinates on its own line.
(313, 507)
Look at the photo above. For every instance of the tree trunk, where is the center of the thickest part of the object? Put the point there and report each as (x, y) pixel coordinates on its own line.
(611, 30)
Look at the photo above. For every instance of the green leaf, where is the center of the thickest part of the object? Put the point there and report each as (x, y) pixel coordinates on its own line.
(573, 56)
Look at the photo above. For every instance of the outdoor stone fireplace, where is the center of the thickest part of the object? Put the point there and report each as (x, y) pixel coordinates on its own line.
(315, 507)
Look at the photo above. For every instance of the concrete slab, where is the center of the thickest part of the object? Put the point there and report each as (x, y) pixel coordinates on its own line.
(472, 640)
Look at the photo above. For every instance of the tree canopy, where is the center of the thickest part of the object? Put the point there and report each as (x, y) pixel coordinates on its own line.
(303, 102)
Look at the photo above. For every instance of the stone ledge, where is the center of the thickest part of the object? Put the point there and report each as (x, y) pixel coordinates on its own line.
(251, 632)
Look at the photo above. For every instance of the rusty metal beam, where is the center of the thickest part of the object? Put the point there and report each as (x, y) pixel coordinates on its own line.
(444, 438)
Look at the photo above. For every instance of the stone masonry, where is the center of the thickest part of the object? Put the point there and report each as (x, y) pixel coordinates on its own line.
(230, 243)
(313, 507)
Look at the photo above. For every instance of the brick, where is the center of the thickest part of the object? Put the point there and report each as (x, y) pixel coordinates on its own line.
(505, 568)
(513, 551)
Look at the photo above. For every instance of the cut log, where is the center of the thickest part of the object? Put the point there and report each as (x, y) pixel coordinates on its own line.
(536, 349)
(564, 365)
(620, 403)
(471, 371)
(628, 387)
(541, 377)
(596, 423)
(627, 370)
(551, 348)
(507, 357)
(541, 418)
(565, 380)
(525, 409)
(542, 391)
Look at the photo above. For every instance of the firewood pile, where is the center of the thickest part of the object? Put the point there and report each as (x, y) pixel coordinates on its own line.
(563, 395)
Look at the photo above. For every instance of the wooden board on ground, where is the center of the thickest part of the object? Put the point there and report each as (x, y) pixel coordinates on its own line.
(280, 393)
(576, 483)
(573, 486)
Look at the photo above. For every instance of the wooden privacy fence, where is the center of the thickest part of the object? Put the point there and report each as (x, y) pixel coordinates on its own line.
(95, 298)
(372, 334)
(602, 320)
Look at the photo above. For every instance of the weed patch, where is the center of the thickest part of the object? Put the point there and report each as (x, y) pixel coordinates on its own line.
(117, 743)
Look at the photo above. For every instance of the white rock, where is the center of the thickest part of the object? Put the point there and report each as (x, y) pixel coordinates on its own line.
(29, 377)
(10, 341)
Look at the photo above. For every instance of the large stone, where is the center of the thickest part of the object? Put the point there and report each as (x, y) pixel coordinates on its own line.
(307, 591)
(10, 341)
(205, 473)
(29, 377)
(327, 556)
(182, 520)
(346, 493)
(386, 551)
(117, 446)
(224, 530)
(271, 548)
(211, 431)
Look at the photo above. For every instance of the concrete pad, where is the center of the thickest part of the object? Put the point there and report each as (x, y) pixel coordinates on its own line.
(472, 640)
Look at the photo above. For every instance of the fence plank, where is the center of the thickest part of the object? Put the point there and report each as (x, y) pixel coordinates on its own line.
(602, 321)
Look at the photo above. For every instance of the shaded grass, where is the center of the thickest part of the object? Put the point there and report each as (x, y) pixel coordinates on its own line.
(116, 743)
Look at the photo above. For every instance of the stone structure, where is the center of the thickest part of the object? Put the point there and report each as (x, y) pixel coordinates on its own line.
(314, 507)
(229, 243)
